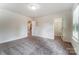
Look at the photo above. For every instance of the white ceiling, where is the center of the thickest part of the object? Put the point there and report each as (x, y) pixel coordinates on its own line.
(45, 8)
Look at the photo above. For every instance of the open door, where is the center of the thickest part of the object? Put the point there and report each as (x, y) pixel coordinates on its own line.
(58, 27)
(29, 28)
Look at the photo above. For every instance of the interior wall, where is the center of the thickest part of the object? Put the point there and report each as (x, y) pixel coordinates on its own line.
(12, 26)
(67, 26)
(45, 25)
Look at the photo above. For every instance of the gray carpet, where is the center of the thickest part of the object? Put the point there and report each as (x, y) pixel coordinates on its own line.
(33, 46)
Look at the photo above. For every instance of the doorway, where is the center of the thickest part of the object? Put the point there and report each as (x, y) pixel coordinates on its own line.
(29, 28)
(58, 27)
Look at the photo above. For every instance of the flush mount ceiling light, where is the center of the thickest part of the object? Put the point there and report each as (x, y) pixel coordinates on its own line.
(33, 6)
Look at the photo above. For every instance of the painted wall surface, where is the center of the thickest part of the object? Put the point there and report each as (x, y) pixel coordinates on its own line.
(67, 26)
(12, 26)
(45, 22)
(44, 27)
(15, 25)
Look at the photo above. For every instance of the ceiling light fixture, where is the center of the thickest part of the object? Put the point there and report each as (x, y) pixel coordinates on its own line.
(33, 6)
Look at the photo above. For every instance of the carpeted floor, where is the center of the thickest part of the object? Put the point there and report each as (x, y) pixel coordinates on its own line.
(33, 46)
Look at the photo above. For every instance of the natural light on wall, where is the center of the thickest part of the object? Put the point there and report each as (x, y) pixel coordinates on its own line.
(75, 24)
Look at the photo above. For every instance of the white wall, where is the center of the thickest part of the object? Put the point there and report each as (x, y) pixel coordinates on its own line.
(67, 26)
(43, 24)
(44, 27)
(12, 26)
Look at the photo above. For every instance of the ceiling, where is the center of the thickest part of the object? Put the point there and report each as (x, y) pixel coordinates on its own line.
(45, 8)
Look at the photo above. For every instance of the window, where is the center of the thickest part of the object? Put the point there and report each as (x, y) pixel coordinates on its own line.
(75, 22)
